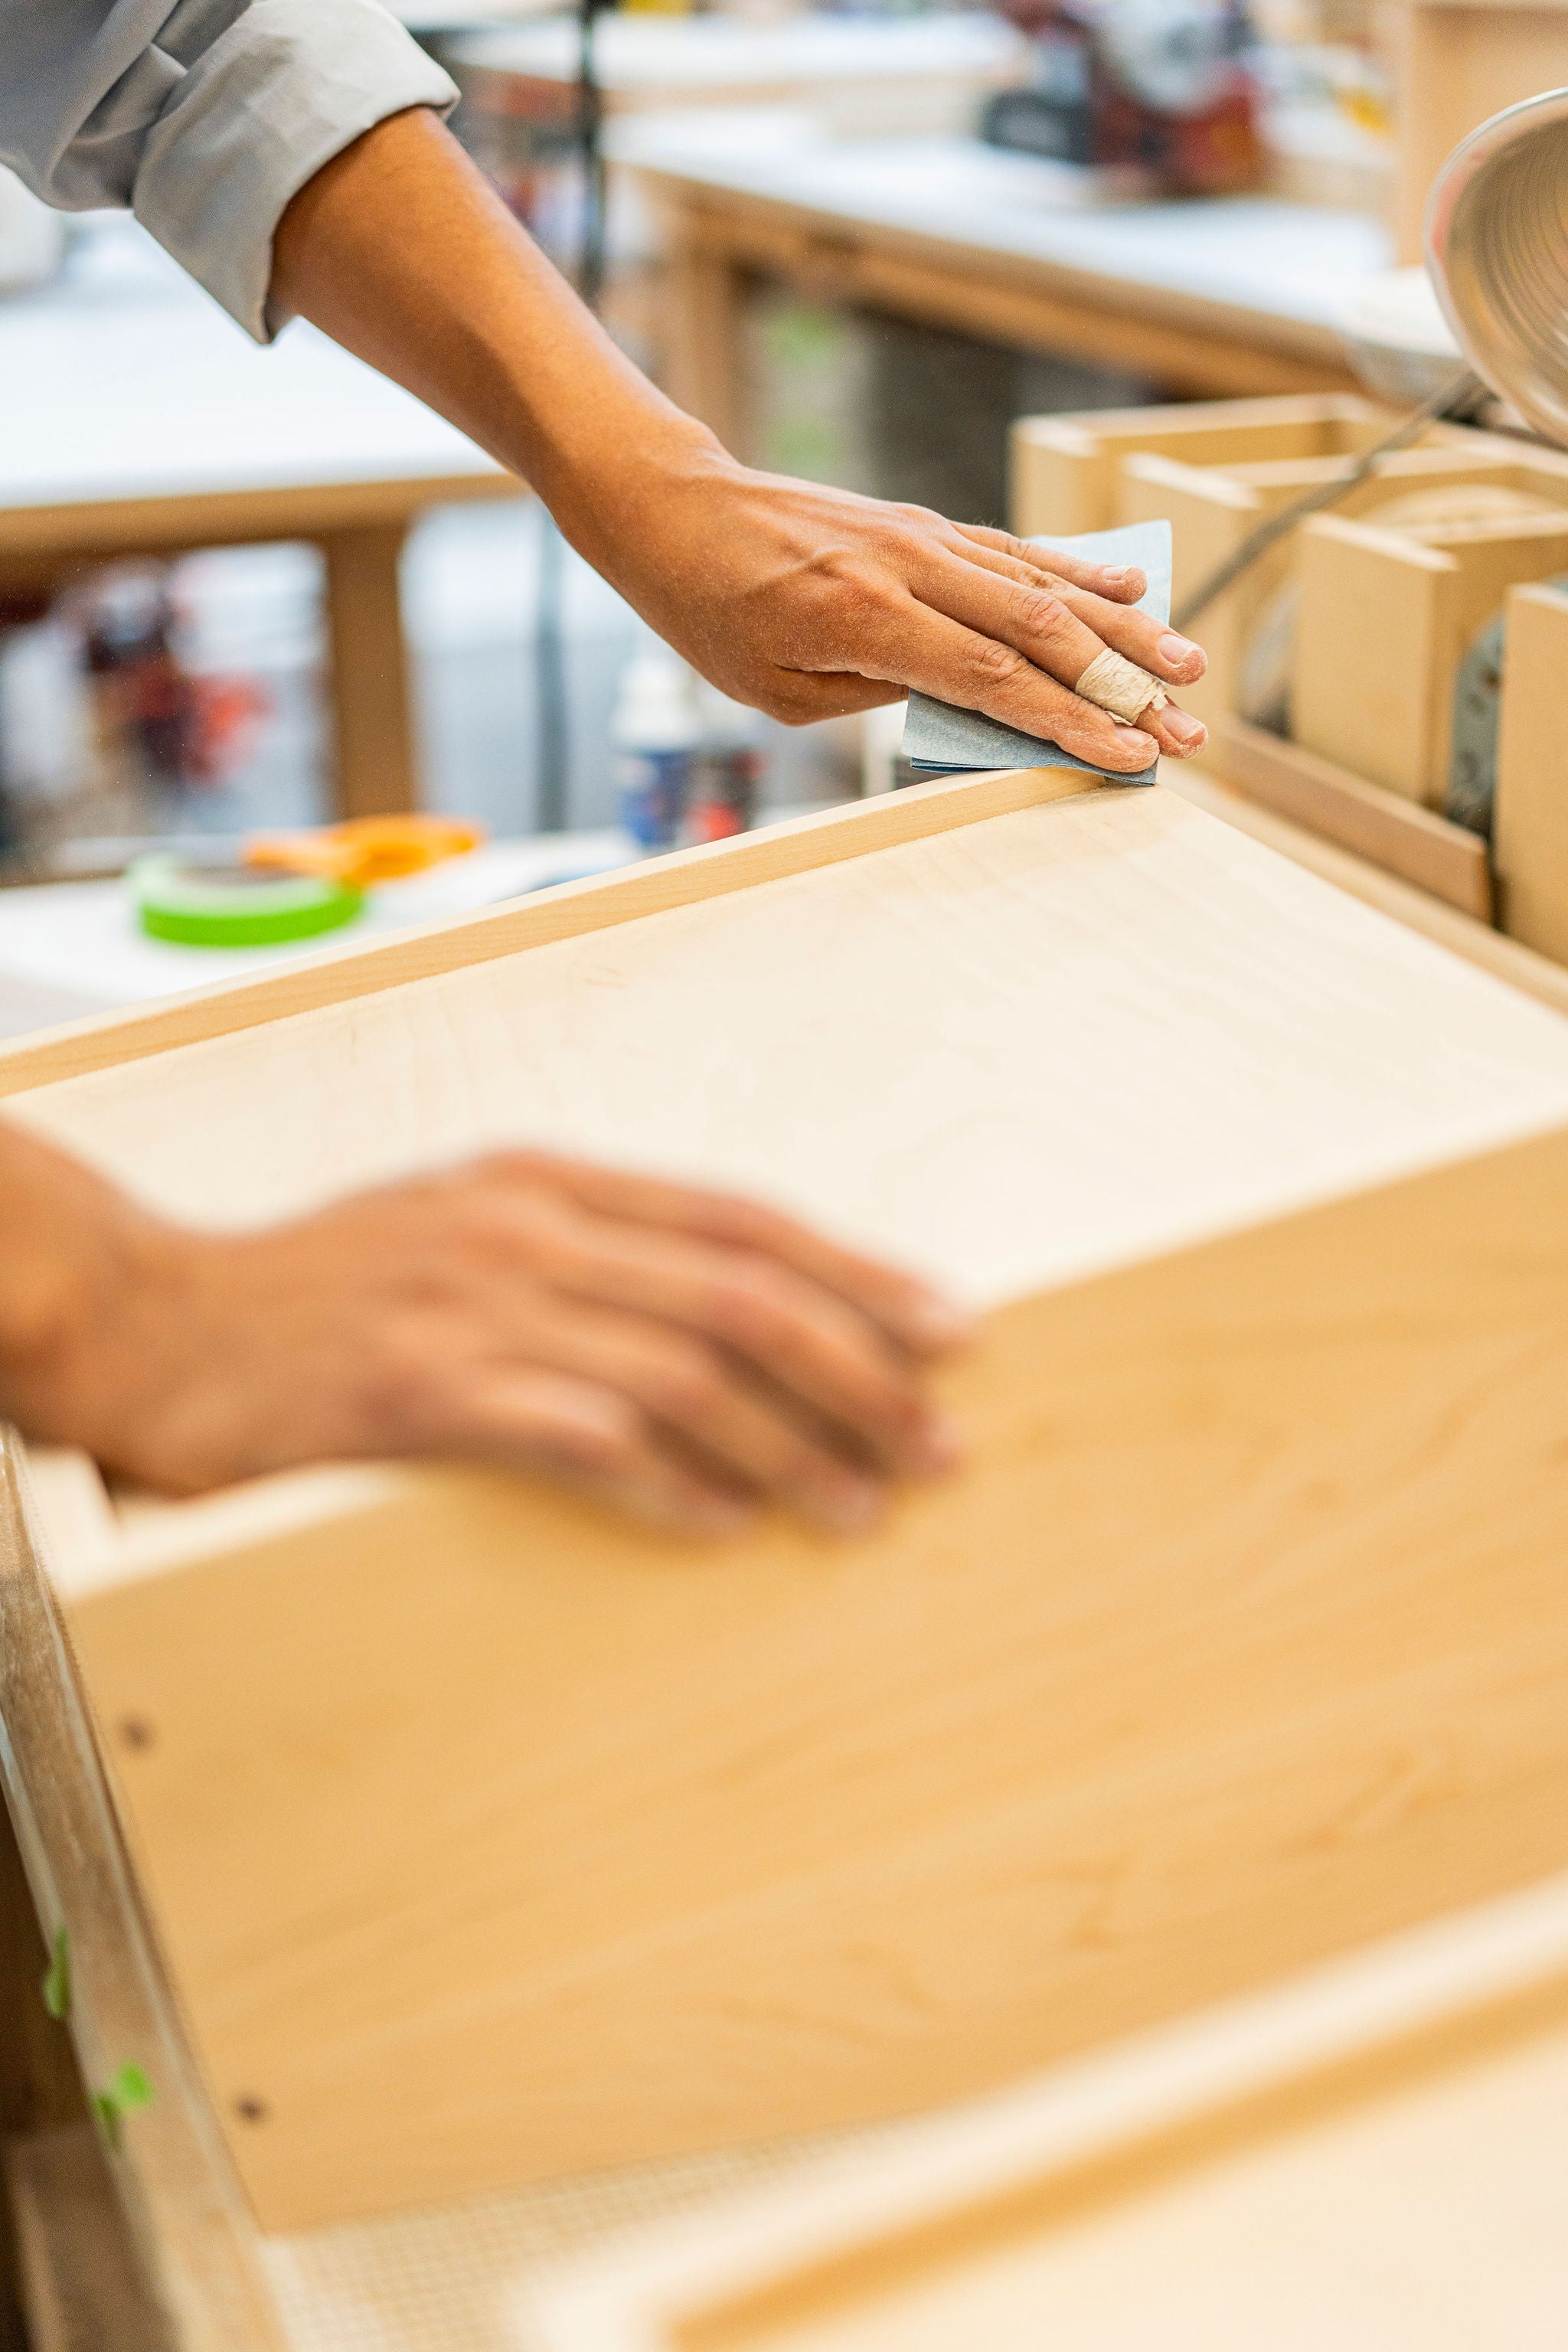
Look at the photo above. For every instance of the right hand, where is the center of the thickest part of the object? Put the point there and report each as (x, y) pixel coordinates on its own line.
(679, 1354)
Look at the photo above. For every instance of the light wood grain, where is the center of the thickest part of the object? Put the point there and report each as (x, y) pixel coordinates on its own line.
(1213, 508)
(566, 911)
(1377, 696)
(1066, 468)
(1532, 975)
(976, 1131)
(1530, 829)
(1401, 835)
(1370, 2155)
(597, 1849)
(1453, 66)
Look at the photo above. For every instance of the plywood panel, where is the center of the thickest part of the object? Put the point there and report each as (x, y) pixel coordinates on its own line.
(1242, 1638)
(972, 1052)
(1530, 830)
(1372, 2156)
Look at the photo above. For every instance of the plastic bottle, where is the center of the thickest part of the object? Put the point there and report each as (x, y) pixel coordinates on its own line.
(655, 729)
(727, 769)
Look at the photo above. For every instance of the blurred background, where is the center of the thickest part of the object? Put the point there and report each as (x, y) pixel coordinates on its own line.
(860, 242)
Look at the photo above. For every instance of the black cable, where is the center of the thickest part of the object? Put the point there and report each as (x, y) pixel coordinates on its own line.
(1453, 402)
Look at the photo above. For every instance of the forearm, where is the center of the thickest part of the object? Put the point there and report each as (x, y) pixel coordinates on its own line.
(71, 1246)
(800, 600)
(401, 251)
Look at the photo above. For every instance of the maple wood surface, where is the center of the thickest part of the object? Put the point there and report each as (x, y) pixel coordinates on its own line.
(600, 1848)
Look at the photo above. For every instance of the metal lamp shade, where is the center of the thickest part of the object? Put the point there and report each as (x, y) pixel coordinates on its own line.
(1497, 246)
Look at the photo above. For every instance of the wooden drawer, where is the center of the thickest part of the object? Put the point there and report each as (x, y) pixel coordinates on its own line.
(485, 1839)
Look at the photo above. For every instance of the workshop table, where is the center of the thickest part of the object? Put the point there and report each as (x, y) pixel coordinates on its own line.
(137, 420)
(1232, 296)
(865, 74)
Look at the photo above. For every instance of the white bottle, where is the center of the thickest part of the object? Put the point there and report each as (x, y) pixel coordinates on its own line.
(654, 728)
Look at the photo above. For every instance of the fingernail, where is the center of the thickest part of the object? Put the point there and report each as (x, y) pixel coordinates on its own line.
(941, 1442)
(1172, 648)
(940, 1321)
(1144, 746)
(720, 1518)
(850, 1507)
(1184, 727)
(1116, 578)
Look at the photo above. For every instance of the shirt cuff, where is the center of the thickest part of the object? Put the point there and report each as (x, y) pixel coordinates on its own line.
(287, 86)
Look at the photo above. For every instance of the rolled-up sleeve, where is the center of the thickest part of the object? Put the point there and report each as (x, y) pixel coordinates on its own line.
(203, 118)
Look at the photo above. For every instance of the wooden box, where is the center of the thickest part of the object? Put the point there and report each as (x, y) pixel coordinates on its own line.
(1363, 758)
(1066, 471)
(1387, 618)
(485, 1839)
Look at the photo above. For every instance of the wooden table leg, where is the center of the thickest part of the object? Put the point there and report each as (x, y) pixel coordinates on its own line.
(375, 765)
(701, 356)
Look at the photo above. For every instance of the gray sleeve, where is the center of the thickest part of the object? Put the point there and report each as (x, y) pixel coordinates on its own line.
(203, 116)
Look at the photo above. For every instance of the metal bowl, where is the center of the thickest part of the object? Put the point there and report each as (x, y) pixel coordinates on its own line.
(1497, 246)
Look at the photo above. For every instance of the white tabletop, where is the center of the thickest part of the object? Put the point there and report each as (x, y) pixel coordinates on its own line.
(122, 379)
(1295, 262)
(648, 52)
(72, 947)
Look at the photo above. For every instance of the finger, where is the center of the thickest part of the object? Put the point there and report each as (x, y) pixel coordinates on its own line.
(695, 1390)
(1041, 623)
(582, 1436)
(918, 1316)
(1124, 584)
(793, 1330)
(1151, 644)
(939, 656)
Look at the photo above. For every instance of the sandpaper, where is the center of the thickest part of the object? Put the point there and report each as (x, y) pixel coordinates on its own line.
(941, 739)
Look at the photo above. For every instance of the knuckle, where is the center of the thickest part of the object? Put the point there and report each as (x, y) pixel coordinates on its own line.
(608, 1446)
(749, 1308)
(994, 665)
(684, 1385)
(1042, 613)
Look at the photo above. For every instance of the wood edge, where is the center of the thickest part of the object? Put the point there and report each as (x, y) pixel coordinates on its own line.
(67, 525)
(180, 2198)
(1211, 483)
(1538, 592)
(1402, 547)
(568, 910)
(1533, 975)
(1402, 837)
(1146, 2162)
(1078, 2139)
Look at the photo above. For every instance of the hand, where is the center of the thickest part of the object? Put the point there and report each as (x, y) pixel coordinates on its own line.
(807, 602)
(677, 1353)
(804, 601)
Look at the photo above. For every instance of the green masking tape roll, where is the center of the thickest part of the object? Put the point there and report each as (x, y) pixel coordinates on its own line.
(235, 905)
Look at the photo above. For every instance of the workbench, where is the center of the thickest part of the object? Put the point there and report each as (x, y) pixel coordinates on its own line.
(141, 421)
(424, 2279)
(1232, 296)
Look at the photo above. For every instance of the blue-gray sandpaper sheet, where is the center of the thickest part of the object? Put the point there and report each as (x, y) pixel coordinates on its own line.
(941, 740)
